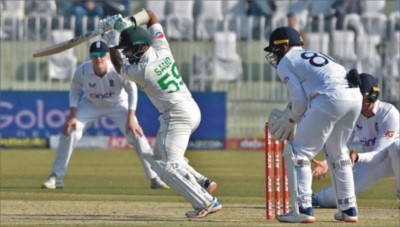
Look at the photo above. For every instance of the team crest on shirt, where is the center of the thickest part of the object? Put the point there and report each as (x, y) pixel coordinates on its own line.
(92, 85)
(159, 35)
(389, 134)
(111, 83)
(359, 127)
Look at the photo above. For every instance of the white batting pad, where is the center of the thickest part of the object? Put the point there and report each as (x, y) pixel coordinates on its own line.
(176, 176)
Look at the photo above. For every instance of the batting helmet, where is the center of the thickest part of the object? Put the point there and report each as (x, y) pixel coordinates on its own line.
(369, 86)
(131, 40)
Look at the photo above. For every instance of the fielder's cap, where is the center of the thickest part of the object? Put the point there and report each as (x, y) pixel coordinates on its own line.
(368, 83)
(282, 35)
(98, 49)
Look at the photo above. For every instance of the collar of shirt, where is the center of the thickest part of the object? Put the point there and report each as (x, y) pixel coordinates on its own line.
(145, 57)
(296, 48)
(376, 106)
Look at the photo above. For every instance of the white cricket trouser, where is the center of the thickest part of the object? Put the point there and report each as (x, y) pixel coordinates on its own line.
(88, 113)
(176, 126)
(367, 174)
(327, 124)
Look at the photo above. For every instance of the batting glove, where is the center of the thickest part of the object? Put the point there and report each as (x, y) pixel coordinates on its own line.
(116, 22)
(111, 38)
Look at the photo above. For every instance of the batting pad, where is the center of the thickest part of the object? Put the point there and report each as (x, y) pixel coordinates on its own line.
(176, 176)
(292, 177)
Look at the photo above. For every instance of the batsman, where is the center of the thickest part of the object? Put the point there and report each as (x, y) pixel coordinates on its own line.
(144, 56)
(325, 104)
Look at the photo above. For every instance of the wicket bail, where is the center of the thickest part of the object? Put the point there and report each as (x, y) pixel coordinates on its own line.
(275, 147)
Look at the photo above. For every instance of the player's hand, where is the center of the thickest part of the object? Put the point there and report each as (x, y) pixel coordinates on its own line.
(353, 157)
(111, 38)
(134, 127)
(116, 22)
(69, 125)
(320, 169)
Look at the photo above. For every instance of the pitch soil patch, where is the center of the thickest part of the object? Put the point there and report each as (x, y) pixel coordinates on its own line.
(114, 213)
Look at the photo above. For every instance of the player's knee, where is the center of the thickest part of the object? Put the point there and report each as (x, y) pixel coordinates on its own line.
(168, 170)
(302, 163)
(342, 164)
(72, 135)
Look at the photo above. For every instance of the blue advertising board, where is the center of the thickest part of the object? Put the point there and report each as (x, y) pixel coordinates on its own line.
(43, 113)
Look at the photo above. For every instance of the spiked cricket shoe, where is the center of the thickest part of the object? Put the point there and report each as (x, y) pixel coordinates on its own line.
(52, 183)
(349, 215)
(305, 216)
(157, 183)
(215, 206)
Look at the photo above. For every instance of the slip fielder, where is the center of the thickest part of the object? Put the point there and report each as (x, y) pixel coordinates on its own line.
(105, 93)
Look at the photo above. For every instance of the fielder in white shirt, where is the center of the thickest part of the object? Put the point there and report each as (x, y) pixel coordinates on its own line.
(377, 131)
(328, 102)
(104, 93)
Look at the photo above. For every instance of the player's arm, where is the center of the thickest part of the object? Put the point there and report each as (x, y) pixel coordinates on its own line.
(70, 124)
(74, 96)
(144, 17)
(298, 97)
(388, 129)
(132, 124)
(295, 109)
(152, 19)
(116, 59)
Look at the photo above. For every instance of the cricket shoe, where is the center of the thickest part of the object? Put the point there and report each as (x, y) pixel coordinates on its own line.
(210, 186)
(306, 215)
(200, 213)
(52, 183)
(157, 183)
(349, 215)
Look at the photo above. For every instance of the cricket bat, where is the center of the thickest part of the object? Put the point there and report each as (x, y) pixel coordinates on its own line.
(60, 47)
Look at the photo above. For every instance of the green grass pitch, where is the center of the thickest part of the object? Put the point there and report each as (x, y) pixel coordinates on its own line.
(108, 188)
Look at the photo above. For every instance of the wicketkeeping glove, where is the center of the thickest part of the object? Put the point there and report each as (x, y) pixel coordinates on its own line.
(273, 118)
(283, 128)
(116, 22)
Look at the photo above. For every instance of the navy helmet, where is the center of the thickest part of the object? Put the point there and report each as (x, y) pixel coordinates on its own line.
(369, 86)
(279, 37)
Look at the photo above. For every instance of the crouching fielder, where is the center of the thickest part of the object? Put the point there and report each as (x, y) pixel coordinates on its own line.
(328, 103)
(104, 93)
(377, 130)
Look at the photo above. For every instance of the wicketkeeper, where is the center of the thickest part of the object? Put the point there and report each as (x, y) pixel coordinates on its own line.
(325, 104)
